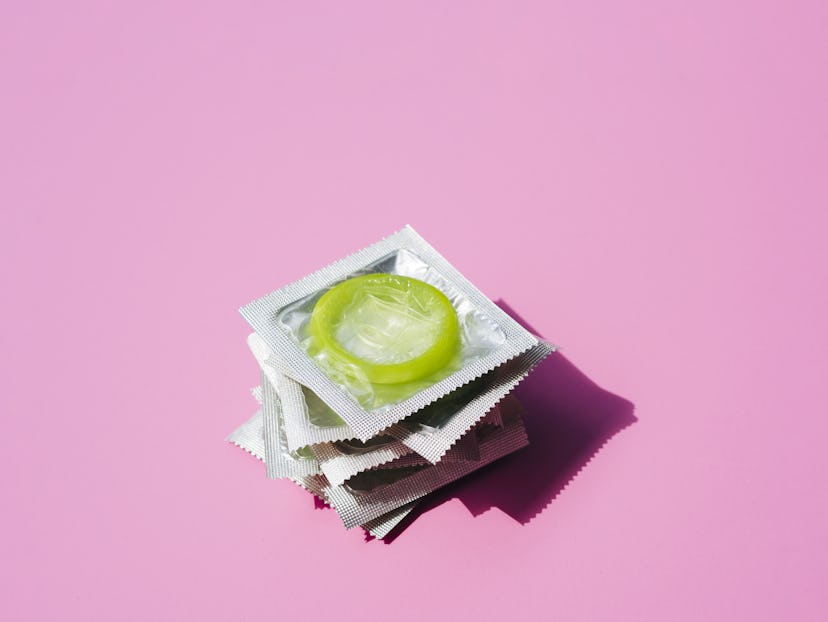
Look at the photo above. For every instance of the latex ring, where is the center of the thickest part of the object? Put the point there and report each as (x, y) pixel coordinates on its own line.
(393, 328)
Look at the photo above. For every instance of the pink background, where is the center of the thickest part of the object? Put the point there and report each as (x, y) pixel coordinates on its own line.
(643, 182)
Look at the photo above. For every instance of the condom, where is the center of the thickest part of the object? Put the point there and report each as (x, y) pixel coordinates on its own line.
(382, 333)
(392, 328)
(385, 375)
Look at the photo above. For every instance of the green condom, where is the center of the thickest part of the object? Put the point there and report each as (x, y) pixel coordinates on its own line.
(392, 328)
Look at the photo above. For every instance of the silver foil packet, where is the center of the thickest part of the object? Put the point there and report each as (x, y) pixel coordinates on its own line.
(377, 492)
(341, 460)
(249, 437)
(431, 432)
(337, 460)
(488, 336)
(385, 524)
(281, 462)
(308, 420)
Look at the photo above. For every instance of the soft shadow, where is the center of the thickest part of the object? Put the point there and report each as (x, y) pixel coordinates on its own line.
(568, 419)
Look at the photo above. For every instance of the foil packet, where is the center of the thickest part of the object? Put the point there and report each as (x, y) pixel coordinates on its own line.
(341, 460)
(377, 492)
(385, 524)
(280, 461)
(249, 437)
(337, 460)
(309, 422)
(488, 337)
(431, 432)
(349, 463)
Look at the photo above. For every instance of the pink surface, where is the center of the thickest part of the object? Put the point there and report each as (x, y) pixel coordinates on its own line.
(642, 182)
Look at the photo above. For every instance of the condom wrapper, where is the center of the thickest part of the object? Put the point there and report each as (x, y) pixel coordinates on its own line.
(280, 461)
(386, 330)
(384, 376)
(342, 460)
(376, 492)
(249, 436)
(338, 460)
(431, 432)
(382, 526)
(488, 337)
(310, 422)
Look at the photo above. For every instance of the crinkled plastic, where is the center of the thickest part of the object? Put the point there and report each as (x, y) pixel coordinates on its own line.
(367, 401)
(389, 327)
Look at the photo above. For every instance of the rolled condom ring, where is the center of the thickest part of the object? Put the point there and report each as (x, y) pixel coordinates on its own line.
(392, 328)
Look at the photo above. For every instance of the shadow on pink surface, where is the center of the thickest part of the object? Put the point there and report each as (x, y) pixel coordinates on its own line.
(568, 419)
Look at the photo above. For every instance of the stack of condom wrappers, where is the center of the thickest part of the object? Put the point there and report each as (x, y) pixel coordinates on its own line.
(384, 376)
